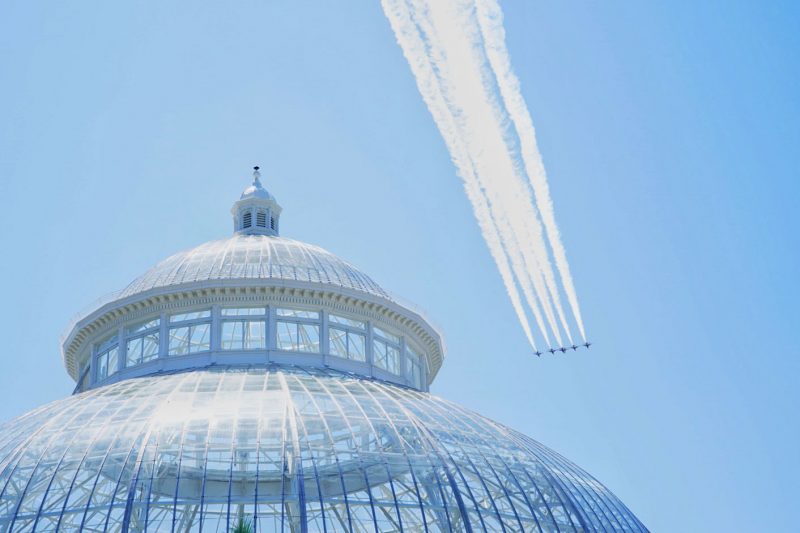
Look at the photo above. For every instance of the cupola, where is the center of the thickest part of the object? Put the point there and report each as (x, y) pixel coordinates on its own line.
(256, 212)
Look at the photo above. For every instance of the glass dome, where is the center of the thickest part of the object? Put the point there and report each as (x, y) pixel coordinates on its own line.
(257, 383)
(255, 257)
(284, 449)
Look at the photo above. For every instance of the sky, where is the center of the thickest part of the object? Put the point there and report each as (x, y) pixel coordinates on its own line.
(669, 133)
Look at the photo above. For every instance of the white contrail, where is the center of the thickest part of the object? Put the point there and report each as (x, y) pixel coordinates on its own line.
(414, 49)
(486, 165)
(490, 18)
(461, 67)
(458, 74)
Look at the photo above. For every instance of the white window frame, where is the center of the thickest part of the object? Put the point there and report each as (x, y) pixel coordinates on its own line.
(245, 317)
(390, 341)
(350, 331)
(297, 322)
(190, 324)
(134, 333)
(103, 351)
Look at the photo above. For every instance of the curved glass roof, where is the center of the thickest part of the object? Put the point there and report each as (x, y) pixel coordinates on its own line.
(254, 257)
(284, 450)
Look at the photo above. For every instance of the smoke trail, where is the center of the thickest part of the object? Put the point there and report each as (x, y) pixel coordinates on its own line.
(490, 18)
(457, 55)
(461, 67)
(414, 50)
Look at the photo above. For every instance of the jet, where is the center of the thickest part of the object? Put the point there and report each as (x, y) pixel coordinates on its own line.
(552, 350)
(563, 350)
(538, 353)
(587, 344)
(574, 348)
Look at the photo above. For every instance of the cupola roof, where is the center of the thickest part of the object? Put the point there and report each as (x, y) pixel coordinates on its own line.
(256, 212)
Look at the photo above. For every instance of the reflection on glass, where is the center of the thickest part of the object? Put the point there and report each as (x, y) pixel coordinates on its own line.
(297, 313)
(296, 336)
(195, 315)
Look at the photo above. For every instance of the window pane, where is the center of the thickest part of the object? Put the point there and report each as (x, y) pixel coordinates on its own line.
(102, 366)
(386, 357)
(199, 340)
(134, 354)
(287, 336)
(179, 341)
(297, 313)
(415, 374)
(413, 365)
(386, 335)
(379, 354)
(392, 360)
(336, 319)
(113, 360)
(309, 338)
(244, 311)
(255, 335)
(149, 347)
(190, 316)
(232, 337)
(356, 346)
(144, 326)
(338, 342)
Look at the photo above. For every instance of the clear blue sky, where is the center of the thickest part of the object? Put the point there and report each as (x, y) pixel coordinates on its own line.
(670, 135)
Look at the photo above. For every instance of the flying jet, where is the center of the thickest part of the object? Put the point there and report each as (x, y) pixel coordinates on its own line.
(563, 350)
(587, 344)
(552, 350)
(574, 348)
(538, 353)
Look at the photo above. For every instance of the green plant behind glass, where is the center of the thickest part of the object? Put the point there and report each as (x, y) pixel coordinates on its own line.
(243, 526)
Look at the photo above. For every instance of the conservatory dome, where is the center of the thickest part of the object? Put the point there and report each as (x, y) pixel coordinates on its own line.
(289, 450)
(255, 258)
(257, 383)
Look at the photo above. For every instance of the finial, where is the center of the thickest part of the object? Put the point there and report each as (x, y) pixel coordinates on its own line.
(256, 175)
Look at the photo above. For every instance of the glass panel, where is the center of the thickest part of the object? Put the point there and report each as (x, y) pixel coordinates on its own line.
(336, 319)
(385, 334)
(144, 326)
(356, 346)
(179, 341)
(149, 347)
(244, 311)
(379, 354)
(102, 366)
(416, 374)
(386, 357)
(134, 352)
(392, 360)
(255, 335)
(287, 336)
(190, 316)
(337, 340)
(298, 313)
(113, 360)
(199, 339)
(232, 337)
(308, 338)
